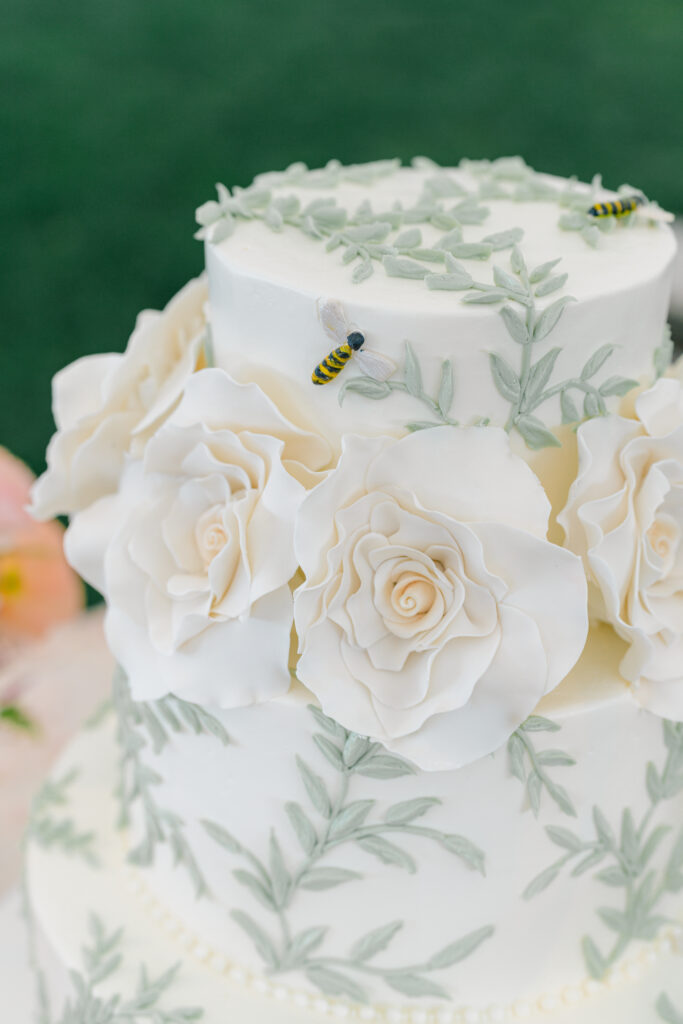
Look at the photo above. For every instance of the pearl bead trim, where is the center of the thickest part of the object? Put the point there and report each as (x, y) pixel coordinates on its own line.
(627, 971)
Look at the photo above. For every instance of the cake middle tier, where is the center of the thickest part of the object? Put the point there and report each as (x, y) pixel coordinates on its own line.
(300, 850)
(509, 317)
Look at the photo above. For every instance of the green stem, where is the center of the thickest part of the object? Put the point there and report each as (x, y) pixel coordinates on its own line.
(382, 972)
(433, 406)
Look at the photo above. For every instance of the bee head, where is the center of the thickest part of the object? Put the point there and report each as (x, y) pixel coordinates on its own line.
(355, 340)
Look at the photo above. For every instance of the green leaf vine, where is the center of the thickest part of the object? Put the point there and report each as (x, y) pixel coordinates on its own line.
(411, 384)
(102, 957)
(667, 1011)
(531, 767)
(624, 858)
(151, 723)
(50, 826)
(334, 821)
(528, 388)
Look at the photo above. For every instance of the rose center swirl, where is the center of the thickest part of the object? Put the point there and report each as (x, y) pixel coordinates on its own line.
(412, 595)
(211, 535)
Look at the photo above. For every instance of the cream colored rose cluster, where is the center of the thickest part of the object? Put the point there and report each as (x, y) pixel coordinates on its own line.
(429, 610)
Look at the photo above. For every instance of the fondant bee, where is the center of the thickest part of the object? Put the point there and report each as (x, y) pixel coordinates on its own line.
(628, 204)
(350, 343)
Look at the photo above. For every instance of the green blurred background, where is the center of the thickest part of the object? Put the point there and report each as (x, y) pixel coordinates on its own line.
(117, 117)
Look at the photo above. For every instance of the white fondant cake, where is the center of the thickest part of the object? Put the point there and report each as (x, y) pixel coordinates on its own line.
(352, 514)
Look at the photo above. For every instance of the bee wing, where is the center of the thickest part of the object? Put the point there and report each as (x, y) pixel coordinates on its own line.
(374, 364)
(654, 212)
(331, 316)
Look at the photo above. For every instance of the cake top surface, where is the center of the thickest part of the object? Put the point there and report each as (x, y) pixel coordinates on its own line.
(407, 237)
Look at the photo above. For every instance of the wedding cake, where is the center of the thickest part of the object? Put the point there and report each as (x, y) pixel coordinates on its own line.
(387, 510)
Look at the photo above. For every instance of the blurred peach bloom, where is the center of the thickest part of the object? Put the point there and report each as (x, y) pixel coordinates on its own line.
(37, 587)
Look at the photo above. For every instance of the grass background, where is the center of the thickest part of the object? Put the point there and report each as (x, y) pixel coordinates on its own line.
(117, 117)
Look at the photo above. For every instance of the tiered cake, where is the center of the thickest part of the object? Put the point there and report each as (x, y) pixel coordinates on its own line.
(387, 511)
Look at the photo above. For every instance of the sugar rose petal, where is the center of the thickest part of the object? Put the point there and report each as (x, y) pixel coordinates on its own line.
(434, 614)
(107, 406)
(624, 517)
(199, 547)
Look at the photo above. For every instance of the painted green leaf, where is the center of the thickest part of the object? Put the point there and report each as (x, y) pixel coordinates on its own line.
(471, 250)
(535, 433)
(614, 919)
(363, 271)
(350, 818)
(459, 950)
(537, 723)
(554, 757)
(448, 282)
(387, 852)
(564, 838)
(515, 325)
(449, 240)
(375, 941)
(591, 861)
(591, 405)
(516, 753)
(412, 374)
(596, 361)
(366, 386)
(466, 850)
(408, 239)
(375, 232)
(334, 983)
(541, 272)
(303, 944)
(534, 787)
(551, 284)
(603, 828)
(613, 876)
(331, 752)
(401, 266)
(257, 888)
(385, 766)
(517, 261)
(485, 298)
(570, 413)
(572, 221)
(355, 747)
(541, 882)
(504, 239)
(415, 985)
(505, 378)
(539, 376)
(595, 962)
(667, 1011)
(334, 729)
(315, 788)
(318, 879)
(446, 388)
(506, 281)
(409, 810)
(591, 235)
(305, 832)
(549, 318)
(221, 836)
(617, 386)
(264, 945)
(421, 425)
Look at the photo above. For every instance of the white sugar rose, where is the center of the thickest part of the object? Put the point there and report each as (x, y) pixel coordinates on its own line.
(624, 517)
(200, 547)
(434, 614)
(108, 405)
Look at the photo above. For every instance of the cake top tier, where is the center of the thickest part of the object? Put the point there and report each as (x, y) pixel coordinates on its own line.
(465, 265)
(390, 229)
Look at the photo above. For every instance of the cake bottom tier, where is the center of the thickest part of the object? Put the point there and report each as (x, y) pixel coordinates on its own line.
(99, 933)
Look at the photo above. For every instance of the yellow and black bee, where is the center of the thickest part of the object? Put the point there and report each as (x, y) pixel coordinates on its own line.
(350, 343)
(622, 207)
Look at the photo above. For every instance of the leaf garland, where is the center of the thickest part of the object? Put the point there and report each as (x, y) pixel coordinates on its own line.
(49, 826)
(528, 388)
(332, 821)
(536, 777)
(142, 724)
(622, 860)
(102, 957)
